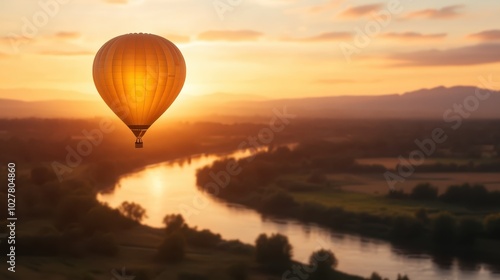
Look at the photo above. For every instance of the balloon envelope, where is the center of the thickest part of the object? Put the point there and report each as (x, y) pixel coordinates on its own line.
(139, 76)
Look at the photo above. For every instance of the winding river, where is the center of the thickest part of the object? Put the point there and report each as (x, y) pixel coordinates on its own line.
(170, 187)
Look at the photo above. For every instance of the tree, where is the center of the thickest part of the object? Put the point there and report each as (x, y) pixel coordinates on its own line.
(325, 262)
(376, 276)
(402, 277)
(173, 223)
(424, 191)
(492, 225)
(468, 230)
(275, 251)
(444, 229)
(173, 248)
(133, 211)
(421, 215)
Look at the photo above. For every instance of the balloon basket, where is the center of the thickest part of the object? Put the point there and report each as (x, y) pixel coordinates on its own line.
(138, 144)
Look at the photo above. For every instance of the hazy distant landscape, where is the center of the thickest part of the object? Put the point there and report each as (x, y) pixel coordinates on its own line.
(420, 104)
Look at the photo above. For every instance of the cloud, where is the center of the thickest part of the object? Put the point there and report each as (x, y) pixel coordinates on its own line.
(228, 35)
(413, 36)
(66, 35)
(177, 38)
(488, 35)
(117, 1)
(66, 53)
(443, 13)
(324, 7)
(344, 81)
(363, 10)
(470, 55)
(323, 37)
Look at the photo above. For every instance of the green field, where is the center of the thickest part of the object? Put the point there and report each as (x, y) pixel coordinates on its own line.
(137, 250)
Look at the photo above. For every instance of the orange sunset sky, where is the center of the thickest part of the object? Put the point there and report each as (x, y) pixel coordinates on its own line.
(272, 48)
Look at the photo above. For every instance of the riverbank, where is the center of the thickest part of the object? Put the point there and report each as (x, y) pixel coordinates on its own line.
(283, 184)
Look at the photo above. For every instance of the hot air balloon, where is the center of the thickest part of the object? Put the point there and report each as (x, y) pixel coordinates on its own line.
(139, 76)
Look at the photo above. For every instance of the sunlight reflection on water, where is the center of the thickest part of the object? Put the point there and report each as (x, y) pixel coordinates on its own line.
(162, 188)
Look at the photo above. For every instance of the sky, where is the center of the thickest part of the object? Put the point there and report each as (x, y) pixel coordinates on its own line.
(271, 48)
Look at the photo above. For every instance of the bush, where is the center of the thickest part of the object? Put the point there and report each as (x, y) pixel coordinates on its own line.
(424, 192)
(406, 227)
(238, 271)
(103, 218)
(173, 222)
(376, 276)
(325, 262)
(132, 211)
(203, 238)
(402, 277)
(173, 248)
(72, 208)
(274, 252)
(444, 229)
(397, 194)
(421, 215)
(468, 231)
(492, 225)
(473, 196)
(236, 246)
(278, 202)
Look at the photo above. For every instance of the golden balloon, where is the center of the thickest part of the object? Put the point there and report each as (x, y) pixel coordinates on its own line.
(139, 76)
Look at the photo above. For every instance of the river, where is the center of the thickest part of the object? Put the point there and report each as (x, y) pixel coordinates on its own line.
(170, 187)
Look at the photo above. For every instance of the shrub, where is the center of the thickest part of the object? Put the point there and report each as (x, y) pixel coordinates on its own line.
(203, 238)
(132, 211)
(424, 192)
(275, 251)
(402, 277)
(376, 276)
(172, 249)
(475, 196)
(406, 227)
(397, 194)
(444, 229)
(72, 208)
(278, 202)
(468, 230)
(421, 215)
(173, 222)
(103, 218)
(492, 225)
(324, 261)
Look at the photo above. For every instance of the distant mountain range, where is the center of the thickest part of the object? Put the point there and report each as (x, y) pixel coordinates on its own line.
(424, 103)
